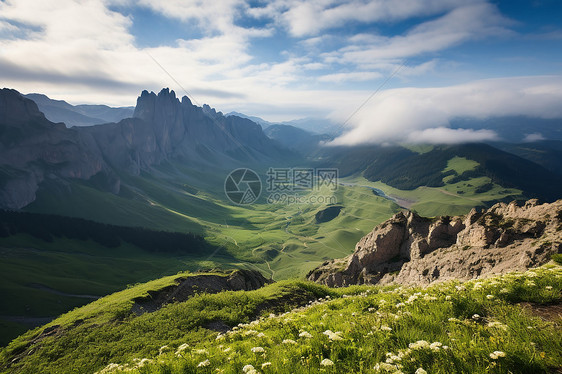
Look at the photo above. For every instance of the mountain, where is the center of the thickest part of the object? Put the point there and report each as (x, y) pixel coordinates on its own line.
(295, 138)
(547, 153)
(514, 129)
(260, 121)
(406, 169)
(316, 126)
(409, 249)
(78, 115)
(33, 149)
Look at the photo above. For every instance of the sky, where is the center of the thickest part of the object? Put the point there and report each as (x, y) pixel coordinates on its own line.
(385, 70)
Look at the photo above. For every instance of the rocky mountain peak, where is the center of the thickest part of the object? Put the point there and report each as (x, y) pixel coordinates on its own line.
(17, 110)
(411, 249)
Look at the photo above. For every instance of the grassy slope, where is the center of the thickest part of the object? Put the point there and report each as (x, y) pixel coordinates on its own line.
(369, 325)
(451, 199)
(35, 275)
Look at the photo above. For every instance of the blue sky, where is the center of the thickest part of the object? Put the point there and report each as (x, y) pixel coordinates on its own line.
(286, 59)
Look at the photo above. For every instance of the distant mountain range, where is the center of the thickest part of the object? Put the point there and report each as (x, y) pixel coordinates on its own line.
(317, 126)
(34, 149)
(78, 115)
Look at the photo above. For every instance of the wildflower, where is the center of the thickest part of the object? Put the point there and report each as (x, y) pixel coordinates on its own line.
(399, 305)
(420, 344)
(181, 348)
(497, 354)
(204, 364)
(435, 346)
(453, 319)
(163, 349)
(305, 334)
(201, 352)
(333, 335)
(289, 341)
(143, 362)
(489, 297)
(448, 297)
(548, 288)
(326, 362)
(476, 317)
(248, 369)
(385, 366)
(497, 325)
(386, 328)
(420, 371)
(261, 335)
(258, 350)
(265, 364)
(530, 283)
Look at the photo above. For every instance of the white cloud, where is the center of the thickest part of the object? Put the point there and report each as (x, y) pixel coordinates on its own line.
(417, 114)
(311, 17)
(468, 22)
(445, 135)
(534, 137)
(357, 76)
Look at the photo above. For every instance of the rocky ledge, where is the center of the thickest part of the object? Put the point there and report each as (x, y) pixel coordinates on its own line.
(409, 249)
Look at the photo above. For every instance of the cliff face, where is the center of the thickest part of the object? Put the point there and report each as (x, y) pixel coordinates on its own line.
(410, 249)
(33, 149)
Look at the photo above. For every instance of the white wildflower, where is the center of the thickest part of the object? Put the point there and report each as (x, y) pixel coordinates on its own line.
(435, 346)
(289, 341)
(204, 364)
(420, 371)
(476, 317)
(386, 328)
(333, 335)
(182, 348)
(326, 362)
(258, 350)
(261, 335)
(497, 354)
(248, 368)
(420, 344)
(305, 334)
(489, 297)
(201, 352)
(548, 288)
(265, 364)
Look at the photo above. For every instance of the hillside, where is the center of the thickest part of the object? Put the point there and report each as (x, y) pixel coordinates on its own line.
(52, 264)
(498, 325)
(407, 169)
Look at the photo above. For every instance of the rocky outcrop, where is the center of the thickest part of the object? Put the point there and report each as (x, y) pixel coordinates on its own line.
(410, 249)
(238, 280)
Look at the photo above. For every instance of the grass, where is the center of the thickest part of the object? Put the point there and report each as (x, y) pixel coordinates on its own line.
(472, 327)
(41, 279)
(451, 199)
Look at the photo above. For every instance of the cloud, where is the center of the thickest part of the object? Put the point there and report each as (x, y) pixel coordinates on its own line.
(357, 76)
(468, 22)
(418, 114)
(311, 17)
(445, 135)
(534, 137)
